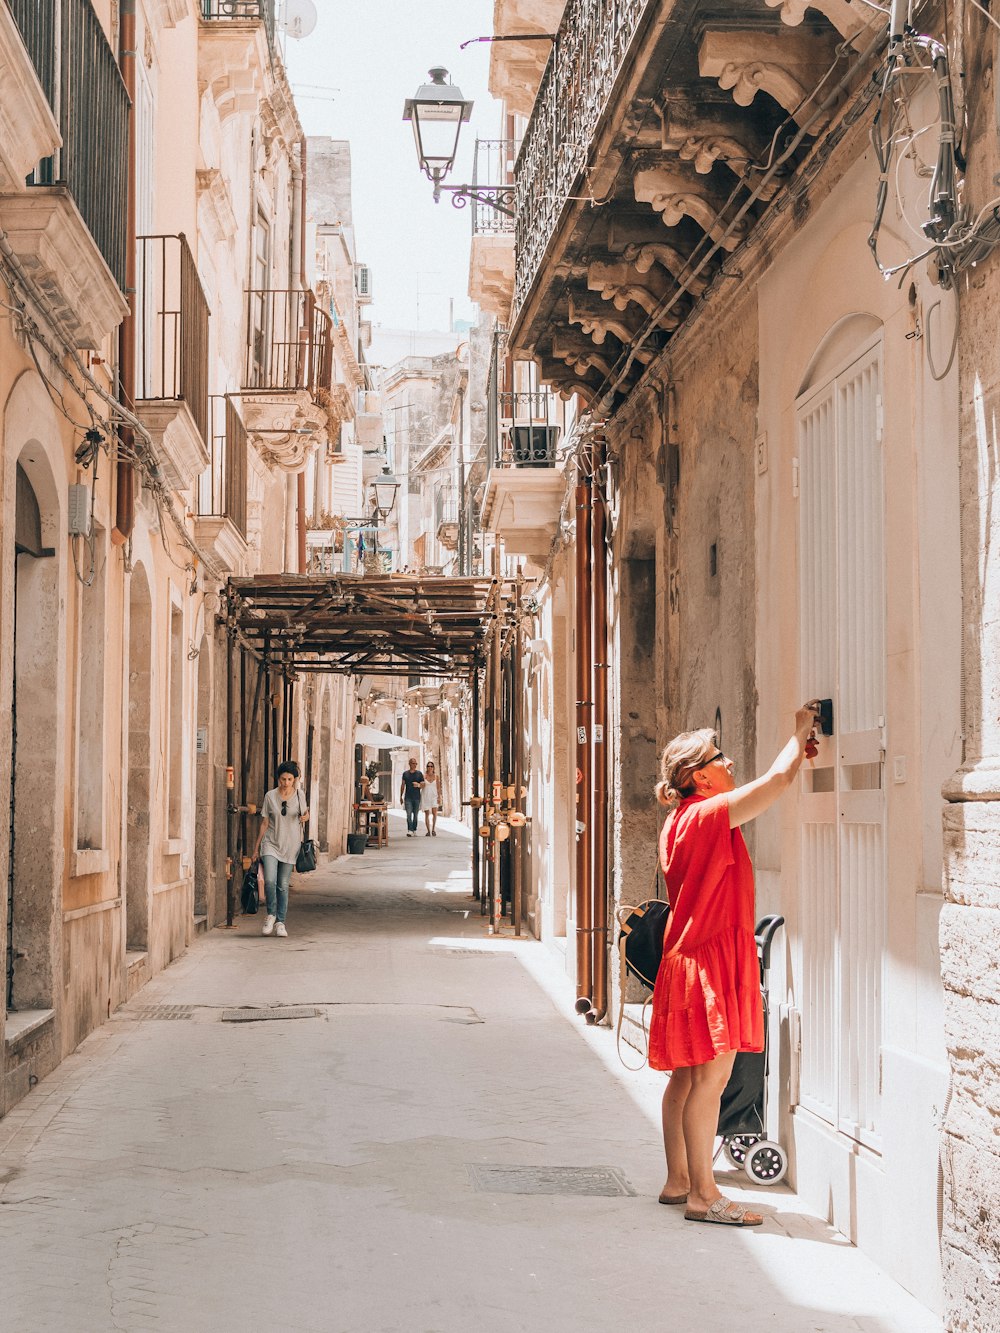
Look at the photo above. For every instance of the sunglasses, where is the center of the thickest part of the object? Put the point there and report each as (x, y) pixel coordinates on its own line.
(284, 807)
(705, 763)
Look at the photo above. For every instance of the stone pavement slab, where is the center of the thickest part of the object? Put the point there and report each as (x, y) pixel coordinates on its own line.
(354, 1171)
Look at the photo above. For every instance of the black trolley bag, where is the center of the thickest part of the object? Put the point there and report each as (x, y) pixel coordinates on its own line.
(743, 1109)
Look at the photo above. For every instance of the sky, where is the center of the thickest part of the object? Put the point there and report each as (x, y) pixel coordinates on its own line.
(350, 78)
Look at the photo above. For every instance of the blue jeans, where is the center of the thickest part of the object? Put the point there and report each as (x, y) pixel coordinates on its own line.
(276, 876)
(412, 808)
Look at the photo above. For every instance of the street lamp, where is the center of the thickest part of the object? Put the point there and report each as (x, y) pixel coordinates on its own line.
(384, 489)
(437, 112)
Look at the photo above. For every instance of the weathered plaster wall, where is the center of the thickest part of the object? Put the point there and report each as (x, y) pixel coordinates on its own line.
(970, 920)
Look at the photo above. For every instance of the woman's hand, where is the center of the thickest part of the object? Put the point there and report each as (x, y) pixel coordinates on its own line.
(304, 817)
(806, 717)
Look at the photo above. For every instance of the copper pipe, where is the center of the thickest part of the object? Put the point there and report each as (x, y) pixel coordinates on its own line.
(124, 481)
(517, 762)
(303, 267)
(300, 496)
(599, 870)
(477, 813)
(584, 711)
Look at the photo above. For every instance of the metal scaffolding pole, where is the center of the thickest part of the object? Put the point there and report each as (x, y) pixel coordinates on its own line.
(230, 782)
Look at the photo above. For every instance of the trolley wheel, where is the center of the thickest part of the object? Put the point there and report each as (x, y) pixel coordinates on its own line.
(766, 1162)
(737, 1146)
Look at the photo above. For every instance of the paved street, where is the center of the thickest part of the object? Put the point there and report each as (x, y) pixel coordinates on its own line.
(355, 1170)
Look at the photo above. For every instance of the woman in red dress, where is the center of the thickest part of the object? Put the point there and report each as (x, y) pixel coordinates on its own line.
(707, 1003)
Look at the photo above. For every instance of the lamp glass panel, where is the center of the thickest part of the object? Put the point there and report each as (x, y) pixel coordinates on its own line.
(436, 126)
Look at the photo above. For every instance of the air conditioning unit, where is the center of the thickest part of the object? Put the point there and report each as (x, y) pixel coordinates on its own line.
(363, 282)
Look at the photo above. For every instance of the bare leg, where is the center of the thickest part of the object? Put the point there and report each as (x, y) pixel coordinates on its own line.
(675, 1095)
(700, 1122)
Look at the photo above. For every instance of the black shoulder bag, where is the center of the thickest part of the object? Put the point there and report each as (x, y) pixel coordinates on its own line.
(306, 859)
(640, 948)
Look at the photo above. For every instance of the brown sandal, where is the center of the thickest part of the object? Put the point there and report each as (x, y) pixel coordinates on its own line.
(726, 1213)
(672, 1198)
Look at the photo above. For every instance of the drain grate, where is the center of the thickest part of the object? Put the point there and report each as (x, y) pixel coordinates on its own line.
(157, 1012)
(603, 1181)
(266, 1015)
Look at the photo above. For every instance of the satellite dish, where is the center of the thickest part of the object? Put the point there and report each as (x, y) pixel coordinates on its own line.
(300, 18)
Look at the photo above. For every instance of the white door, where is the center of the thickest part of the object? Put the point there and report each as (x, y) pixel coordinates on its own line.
(842, 863)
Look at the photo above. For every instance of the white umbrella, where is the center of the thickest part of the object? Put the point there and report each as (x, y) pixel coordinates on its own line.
(382, 740)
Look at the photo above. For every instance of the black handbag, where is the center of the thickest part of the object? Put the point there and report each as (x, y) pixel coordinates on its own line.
(306, 859)
(249, 894)
(640, 949)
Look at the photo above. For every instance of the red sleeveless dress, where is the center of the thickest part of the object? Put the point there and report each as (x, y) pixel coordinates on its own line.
(707, 996)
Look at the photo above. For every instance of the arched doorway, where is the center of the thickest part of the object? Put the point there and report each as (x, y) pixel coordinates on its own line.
(33, 872)
(203, 785)
(137, 868)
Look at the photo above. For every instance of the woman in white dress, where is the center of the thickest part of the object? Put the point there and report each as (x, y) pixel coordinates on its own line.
(429, 799)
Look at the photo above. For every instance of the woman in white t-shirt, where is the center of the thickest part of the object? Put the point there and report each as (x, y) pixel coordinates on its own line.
(429, 799)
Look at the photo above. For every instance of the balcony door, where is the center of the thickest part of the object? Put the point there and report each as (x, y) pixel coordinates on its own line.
(842, 883)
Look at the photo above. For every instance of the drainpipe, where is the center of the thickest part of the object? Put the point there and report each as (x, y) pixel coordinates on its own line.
(300, 492)
(599, 869)
(124, 481)
(584, 719)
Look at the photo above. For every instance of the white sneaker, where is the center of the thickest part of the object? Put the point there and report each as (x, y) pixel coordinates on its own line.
(280, 931)
(269, 926)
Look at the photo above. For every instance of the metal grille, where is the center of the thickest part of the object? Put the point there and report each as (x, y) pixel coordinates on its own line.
(242, 11)
(290, 342)
(159, 1012)
(492, 165)
(268, 1015)
(222, 487)
(171, 326)
(587, 56)
(599, 1181)
(89, 100)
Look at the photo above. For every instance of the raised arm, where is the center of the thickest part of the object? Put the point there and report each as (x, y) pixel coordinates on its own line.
(752, 799)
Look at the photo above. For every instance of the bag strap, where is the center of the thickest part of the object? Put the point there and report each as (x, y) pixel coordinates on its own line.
(622, 977)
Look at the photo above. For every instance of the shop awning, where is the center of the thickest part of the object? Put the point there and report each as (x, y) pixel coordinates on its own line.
(382, 740)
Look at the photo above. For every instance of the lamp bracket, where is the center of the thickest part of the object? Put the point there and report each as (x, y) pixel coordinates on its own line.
(500, 197)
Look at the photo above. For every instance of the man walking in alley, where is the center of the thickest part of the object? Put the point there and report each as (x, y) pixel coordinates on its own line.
(409, 794)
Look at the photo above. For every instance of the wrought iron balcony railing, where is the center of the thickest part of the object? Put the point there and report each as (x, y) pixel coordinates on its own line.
(242, 11)
(290, 343)
(492, 165)
(594, 39)
(171, 325)
(79, 74)
(222, 487)
(522, 426)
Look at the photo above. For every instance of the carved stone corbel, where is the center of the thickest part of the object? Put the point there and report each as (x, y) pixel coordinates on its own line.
(597, 324)
(703, 151)
(673, 197)
(643, 257)
(848, 22)
(619, 284)
(580, 359)
(787, 66)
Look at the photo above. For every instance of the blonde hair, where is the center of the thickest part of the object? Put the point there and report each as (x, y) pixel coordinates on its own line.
(677, 764)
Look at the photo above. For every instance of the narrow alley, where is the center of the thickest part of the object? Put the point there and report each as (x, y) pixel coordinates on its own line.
(427, 1117)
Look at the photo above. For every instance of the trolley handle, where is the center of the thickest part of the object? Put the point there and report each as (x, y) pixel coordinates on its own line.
(764, 933)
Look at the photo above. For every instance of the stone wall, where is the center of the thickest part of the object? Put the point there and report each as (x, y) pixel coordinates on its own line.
(970, 922)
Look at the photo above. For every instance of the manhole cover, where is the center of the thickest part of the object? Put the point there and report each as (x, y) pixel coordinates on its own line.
(605, 1181)
(146, 1012)
(267, 1015)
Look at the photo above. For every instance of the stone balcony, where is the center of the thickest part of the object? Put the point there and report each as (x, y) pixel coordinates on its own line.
(522, 505)
(644, 167)
(56, 249)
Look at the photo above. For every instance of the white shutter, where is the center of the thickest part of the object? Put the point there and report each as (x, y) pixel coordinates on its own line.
(842, 884)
